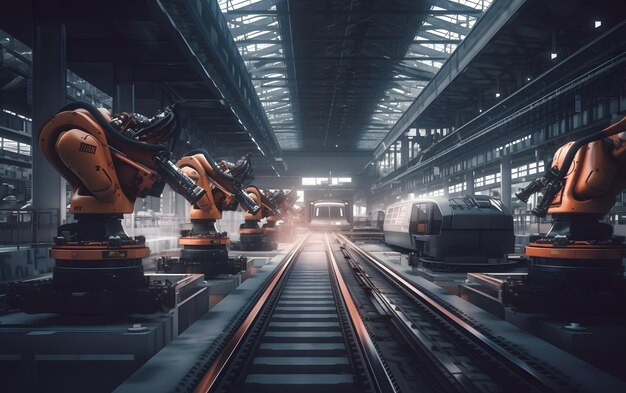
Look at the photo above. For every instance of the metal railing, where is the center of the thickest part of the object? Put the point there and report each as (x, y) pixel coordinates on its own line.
(28, 227)
(32, 227)
(153, 225)
(572, 73)
(528, 224)
(18, 57)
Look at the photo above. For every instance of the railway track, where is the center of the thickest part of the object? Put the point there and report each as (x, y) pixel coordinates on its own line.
(304, 334)
(463, 357)
(312, 328)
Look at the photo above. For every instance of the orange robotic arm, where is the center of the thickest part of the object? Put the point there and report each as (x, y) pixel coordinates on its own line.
(267, 207)
(577, 266)
(107, 169)
(251, 236)
(196, 168)
(225, 189)
(285, 203)
(586, 175)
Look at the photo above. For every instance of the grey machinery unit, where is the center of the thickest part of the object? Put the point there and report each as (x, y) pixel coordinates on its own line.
(376, 219)
(458, 233)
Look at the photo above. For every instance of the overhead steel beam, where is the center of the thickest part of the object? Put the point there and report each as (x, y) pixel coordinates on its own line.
(430, 36)
(255, 40)
(447, 4)
(10, 161)
(268, 36)
(352, 59)
(263, 4)
(203, 35)
(14, 135)
(267, 51)
(414, 73)
(337, 12)
(438, 23)
(485, 29)
(437, 41)
(346, 78)
(423, 50)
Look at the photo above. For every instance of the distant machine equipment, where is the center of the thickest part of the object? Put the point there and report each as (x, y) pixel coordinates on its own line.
(376, 219)
(578, 265)
(329, 216)
(252, 236)
(279, 226)
(460, 233)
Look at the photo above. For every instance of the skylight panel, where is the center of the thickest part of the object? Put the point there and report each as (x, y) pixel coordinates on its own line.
(438, 37)
(258, 36)
(231, 5)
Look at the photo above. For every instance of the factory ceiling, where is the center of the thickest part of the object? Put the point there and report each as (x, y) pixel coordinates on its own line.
(331, 78)
(336, 75)
(161, 47)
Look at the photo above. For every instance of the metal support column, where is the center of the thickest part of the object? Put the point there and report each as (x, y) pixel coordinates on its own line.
(168, 200)
(180, 206)
(505, 180)
(124, 100)
(49, 92)
(549, 156)
(469, 182)
(154, 204)
(404, 149)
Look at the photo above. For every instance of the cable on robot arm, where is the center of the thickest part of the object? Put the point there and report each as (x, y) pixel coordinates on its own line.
(109, 130)
(556, 184)
(237, 188)
(179, 182)
(271, 209)
(162, 127)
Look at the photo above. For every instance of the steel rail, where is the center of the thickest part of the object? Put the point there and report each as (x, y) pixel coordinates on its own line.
(214, 372)
(530, 374)
(408, 328)
(371, 358)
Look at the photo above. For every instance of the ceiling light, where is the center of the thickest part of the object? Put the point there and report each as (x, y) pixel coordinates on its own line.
(597, 23)
(336, 145)
(553, 53)
(498, 87)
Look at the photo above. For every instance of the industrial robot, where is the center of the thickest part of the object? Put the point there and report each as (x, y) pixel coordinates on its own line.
(284, 203)
(253, 237)
(577, 266)
(204, 248)
(109, 161)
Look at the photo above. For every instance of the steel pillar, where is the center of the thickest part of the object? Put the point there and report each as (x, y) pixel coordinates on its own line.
(124, 100)
(469, 182)
(49, 92)
(505, 181)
